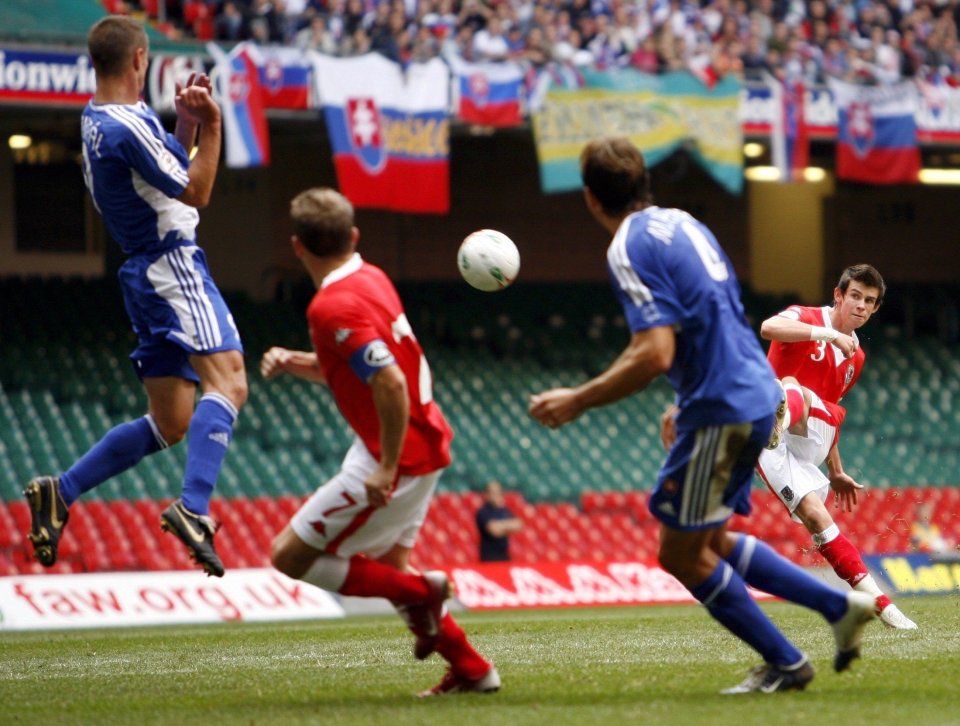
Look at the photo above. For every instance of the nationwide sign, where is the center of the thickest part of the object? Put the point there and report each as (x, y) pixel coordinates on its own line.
(493, 586)
(29, 76)
(917, 573)
(36, 602)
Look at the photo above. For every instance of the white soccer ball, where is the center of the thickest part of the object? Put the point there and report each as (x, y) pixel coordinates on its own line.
(488, 260)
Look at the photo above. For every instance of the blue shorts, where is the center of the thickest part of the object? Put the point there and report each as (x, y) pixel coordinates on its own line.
(707, 474)
(176, 311)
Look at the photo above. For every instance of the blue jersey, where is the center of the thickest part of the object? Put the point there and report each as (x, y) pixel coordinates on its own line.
(668, 269)
(135, 170)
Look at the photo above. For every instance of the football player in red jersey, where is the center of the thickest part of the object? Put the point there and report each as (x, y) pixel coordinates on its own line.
(817, 356)
(354, 535)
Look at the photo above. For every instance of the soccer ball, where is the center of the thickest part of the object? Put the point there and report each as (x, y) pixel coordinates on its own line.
(488, 260)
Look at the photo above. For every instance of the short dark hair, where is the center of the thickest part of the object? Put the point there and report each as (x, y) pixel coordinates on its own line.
(866, 275)
(323, 220)
(112, 41)
(614, 170)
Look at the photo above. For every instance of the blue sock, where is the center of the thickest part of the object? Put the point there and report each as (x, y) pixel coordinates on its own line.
(119, 449)
(725, 596)
(765, 570)
(210, 431)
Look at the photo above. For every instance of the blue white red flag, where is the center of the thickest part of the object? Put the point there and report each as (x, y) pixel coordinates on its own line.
(389, 130)
(790, 145)
(487, 94)
(284, 77)
(236, 85)
(877, 133)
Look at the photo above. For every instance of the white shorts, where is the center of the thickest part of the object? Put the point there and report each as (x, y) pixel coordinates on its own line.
(337, 519)
(792, 470)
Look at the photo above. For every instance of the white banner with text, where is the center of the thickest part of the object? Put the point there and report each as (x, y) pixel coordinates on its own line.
(113, 599)
(493, 586)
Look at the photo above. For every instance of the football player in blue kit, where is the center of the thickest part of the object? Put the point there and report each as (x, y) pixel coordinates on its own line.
(147, 190)
(682, 304)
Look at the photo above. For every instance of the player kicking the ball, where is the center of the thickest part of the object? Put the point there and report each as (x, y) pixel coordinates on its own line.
(355, 534)
(816, 354)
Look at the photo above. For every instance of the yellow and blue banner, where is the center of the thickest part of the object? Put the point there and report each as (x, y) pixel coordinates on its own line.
(657, 113)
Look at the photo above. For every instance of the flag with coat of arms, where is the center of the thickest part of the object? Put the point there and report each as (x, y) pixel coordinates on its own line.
(389, 130)
(236, 86)
(877, 133)
(487, 94)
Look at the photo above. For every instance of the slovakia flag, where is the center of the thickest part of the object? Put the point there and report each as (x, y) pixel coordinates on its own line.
(487, 94)
(284, 77)
(790, 146)
(236, 84)
(877, 133)
(389, 131)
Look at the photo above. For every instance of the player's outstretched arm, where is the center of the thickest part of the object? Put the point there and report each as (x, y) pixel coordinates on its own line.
(299, 363)
(648, 355)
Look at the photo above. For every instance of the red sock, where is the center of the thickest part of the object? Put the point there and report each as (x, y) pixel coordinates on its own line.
(368, 578)
(794, 403)
(882, 603)
(844, 559)
(457, 651)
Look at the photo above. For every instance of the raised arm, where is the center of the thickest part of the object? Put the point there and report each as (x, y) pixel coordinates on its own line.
(648, 355)
(196, 106)
(788, 330)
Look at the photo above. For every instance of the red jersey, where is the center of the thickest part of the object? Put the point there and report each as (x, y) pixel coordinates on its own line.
(818, 365)
(358, 305)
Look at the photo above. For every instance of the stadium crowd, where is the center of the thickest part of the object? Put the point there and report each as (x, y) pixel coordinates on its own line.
(865, 41)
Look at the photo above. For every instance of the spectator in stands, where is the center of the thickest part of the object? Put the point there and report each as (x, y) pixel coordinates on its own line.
(495, 523)
(925, 535)
(682, 303)
(147, 189)
(490, 42)
(230, 22)
(354, 535)
(317, 36)
(882, 41)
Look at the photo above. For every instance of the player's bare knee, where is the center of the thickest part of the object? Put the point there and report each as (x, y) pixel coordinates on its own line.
(173, 429)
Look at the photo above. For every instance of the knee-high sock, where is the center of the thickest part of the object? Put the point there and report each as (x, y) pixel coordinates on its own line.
(843, 557)
(211, 429)
(846, 561)
(765, 570)
(121, 447)
(458, 652)
(369, 578)
(794, 404)
(725, 596)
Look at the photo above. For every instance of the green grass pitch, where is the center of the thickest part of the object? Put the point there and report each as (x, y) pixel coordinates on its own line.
(658, 665)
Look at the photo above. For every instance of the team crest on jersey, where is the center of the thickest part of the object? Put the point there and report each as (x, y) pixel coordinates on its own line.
(787, 493)
(365, 129)
(650, 312)
(860, 127)
(341, 334)
(847, 377)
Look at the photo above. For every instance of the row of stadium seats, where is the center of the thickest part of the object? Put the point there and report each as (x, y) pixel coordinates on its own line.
(59, 393)
(607, 526)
